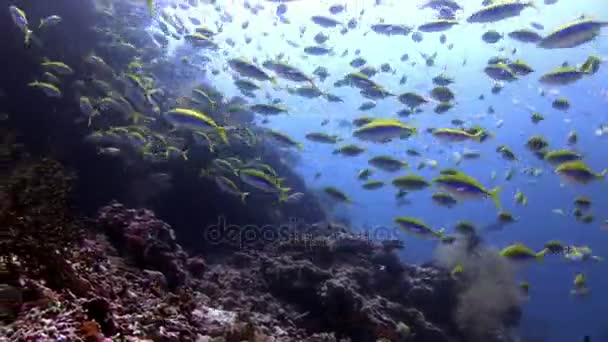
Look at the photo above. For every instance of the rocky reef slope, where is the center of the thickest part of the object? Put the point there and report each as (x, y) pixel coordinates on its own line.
(122, 276)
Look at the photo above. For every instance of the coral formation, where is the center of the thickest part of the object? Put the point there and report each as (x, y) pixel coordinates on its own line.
(148, 241)
(125, 277)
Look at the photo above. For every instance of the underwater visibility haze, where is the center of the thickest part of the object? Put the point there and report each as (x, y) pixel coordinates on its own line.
(449, 157)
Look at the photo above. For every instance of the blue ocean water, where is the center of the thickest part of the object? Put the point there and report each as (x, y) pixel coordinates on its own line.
(551, 311)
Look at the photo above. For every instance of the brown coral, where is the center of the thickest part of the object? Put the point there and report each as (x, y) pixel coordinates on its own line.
(91, 331)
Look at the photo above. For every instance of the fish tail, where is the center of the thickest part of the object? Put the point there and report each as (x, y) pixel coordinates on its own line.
(135, 117)
(94, 114)
(151, 7)
(41, 24)
(274, 83)
(585, 70)
(28, 37)
(440, 232)
(243, 196)
(477, 136)
(541, 255)
(300, 147)
(222, 133)
(603, 174)
(494, 193)
(533, 5)
(205, 173)
(284, 194)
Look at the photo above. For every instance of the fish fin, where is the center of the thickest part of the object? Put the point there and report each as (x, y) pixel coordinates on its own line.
(533, 5)
(243, 196)
(222, 133)
(494, 193)
(41, 24)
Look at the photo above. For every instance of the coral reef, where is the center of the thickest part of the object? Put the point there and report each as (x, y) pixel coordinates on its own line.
(124, 276)
(40, 228)
(148, 241)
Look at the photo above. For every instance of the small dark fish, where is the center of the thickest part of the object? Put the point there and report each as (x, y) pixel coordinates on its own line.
(321, 38)
(439, 4)
(446, 13)
(405, 57)
(352, 23)
(525, 36)
(333, 98)
(367, 106)
(491, 37)
(281, 9)
(417, 37)
(335, 9)
(293, 44)
(537, 25)
(317, 50)
(358, 62)
(389, 30)
(195, 21)
(321, 72)
(443, 38)
(325, 21)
